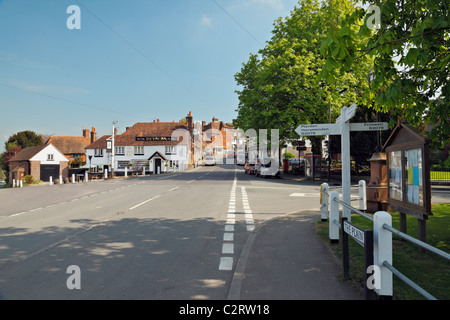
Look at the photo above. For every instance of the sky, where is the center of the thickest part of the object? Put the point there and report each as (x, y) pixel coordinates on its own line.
(131, 61)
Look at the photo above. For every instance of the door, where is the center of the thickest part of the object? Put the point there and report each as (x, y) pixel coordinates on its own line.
(49, 170)
(156, 166)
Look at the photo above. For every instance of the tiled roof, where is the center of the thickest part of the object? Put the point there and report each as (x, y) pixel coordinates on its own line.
(70, 145)
(99, 143)
(155, 129)
(143, 129)
(27, 153)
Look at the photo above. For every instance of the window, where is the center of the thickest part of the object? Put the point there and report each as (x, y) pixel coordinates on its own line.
(171, 150)
(138, 150)
(98, 153)
(120, 150)
(49, 157)
(173, 163)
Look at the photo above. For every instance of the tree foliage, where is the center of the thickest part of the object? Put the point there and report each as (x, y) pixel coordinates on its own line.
(411, 58)
(282, 85)
(24, 139)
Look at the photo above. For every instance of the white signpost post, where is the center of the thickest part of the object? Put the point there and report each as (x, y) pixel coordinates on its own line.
(342, 127)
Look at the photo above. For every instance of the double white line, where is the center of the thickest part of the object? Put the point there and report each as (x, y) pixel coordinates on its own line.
(226, 261)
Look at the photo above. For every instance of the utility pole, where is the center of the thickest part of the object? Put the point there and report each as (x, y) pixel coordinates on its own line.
(113, 149)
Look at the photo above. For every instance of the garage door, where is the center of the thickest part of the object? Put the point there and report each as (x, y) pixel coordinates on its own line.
(49, 170)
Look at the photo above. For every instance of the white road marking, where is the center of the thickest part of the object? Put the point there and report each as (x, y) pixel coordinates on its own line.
(144, 202)
(17, 214)
(228, 248)
(228, 236)
(226, 263)
(248, 212)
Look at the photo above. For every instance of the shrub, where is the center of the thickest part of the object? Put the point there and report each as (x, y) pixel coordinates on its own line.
(288, 155)
(29, 179)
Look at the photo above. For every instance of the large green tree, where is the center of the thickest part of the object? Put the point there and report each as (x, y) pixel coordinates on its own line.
(24, 139)
(281, 86)
(411, 53)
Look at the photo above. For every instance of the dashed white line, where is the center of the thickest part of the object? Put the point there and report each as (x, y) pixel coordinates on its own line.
(226, 263)
(228, 248)
(144, 202)
(17, 214)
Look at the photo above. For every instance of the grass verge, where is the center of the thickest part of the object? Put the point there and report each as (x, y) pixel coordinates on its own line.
(428, 270)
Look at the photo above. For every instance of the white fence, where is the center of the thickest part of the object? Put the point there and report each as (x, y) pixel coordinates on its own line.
(383, 269)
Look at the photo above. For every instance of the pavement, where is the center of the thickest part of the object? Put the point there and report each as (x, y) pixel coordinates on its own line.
(284, 259)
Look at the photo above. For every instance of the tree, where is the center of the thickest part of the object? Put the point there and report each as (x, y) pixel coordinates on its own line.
(411, 58)
(363, 144)
(24, 139)
(282, 86)
(11, 150)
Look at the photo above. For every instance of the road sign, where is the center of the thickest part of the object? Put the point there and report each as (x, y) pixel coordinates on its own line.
(342, 128)
(318, 129)
(347, 113)
(369, 126)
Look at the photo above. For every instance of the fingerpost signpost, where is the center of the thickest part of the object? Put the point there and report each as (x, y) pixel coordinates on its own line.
(342, 127)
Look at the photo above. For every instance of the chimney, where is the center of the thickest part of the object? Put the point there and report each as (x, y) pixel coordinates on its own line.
(190, 123)
(157, 120)
(86, 133)
(203, 124)
(93, 135)
(214, 119)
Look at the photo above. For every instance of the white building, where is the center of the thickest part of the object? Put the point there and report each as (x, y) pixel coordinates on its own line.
(155, 146)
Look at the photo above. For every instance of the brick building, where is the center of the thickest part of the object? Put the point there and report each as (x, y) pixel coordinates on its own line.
(42, 162)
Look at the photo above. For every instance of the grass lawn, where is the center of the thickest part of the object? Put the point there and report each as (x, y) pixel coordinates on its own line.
(429, 271)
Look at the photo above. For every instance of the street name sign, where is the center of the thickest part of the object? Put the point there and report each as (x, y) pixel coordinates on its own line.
(354, 232)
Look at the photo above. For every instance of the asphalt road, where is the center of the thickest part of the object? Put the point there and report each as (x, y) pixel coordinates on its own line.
(175, 236)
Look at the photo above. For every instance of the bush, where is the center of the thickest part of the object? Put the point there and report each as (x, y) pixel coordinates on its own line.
(288, 155)
(29, 179)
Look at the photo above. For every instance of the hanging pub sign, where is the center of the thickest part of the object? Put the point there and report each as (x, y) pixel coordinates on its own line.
(408, 170)
(156, 138)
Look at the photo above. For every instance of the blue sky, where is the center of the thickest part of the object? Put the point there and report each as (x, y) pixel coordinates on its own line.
(131, 61)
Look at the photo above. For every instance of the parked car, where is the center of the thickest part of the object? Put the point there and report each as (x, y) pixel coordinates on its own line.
(297, 165)
(240, 159)
(210, 161)
(249, 168)
(267, 167)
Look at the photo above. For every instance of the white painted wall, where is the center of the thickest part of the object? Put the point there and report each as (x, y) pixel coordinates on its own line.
(181, 155)
(42, 156)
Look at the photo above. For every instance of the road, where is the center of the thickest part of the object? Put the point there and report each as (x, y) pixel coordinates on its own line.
(175, 236)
